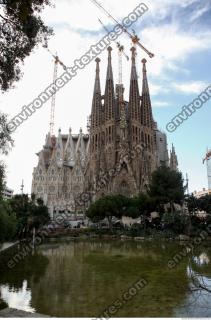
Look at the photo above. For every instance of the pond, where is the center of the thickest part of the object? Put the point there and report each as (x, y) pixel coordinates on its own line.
(85, 278)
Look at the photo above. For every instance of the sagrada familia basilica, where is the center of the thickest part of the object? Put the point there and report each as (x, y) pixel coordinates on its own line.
(122, 148)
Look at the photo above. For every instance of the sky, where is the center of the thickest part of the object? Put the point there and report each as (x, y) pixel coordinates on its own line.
(178, 32)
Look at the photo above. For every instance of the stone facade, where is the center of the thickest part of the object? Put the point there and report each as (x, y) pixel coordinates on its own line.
(118, 155)
(161, 147)
(118, 129)
(59, 175)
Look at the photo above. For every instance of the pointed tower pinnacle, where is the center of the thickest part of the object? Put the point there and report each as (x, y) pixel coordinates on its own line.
(48, 141)
(59, 149)
(109, 90)
(97, 78)
(70, 150)
(109, 69)
(133, 68)
(96, 101)
(146, 108)
(173, 159)
(134, 97)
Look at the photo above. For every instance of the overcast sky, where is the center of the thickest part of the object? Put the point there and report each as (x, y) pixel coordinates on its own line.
(178, 33)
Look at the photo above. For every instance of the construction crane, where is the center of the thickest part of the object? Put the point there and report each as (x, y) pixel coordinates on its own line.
(57, 61)
(56, 58)
(119, 86)
(120, 53)
(53, 100)
(133, 37)
(117, 43)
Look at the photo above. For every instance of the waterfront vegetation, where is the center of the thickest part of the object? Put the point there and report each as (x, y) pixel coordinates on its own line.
(166, 187)
(8, 222)
(163, 210)
(3, 304)
(19, 215)
(156, 212)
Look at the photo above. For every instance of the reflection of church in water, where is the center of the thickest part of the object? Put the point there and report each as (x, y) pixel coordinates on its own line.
(74, 164)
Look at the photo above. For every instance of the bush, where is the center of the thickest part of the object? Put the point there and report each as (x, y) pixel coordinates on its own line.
(175, 222)
(136, 230)
(3, 305)
(8, 222)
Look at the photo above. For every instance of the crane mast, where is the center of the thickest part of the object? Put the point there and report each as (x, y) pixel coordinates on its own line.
(120, 92)
(120, 53)
(53, 101)
(119, 86)
(56, 58)
(135, 39)
(120, 65)
(57, 61)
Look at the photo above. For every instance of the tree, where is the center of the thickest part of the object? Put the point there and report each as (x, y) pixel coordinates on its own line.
(8, 222)
(30, 213)
(204, 203)
(192, 203)
(167, 186)
(21, 30)
(6, 141)
(145, 203)
(2, 179)
(95, 211)
(177, 222)
(108, 207)
(38, 216)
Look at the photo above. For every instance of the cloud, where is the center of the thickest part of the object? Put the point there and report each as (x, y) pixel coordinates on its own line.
(164, 30)
(171, 46)
(190, 87)
(156, 89)
(200, 10)
(160, 104)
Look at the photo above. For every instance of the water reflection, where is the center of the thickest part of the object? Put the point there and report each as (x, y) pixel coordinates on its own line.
(202, 259)
(198, 301)
(67, 279)
(17, 299)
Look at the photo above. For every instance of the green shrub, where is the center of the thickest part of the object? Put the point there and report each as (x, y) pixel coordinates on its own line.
(8, 222)
(176, 222)
(3, 305)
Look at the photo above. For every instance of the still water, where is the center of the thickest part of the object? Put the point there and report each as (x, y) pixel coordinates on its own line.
(83, 278)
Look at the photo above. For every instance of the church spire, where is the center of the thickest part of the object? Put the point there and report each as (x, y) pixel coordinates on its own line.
(70, 150)
(146, 108)
(133, 67)
(134, 97)
(97, 77)
(109, 90)
(96, 101)
(173, 159)
(109, 75)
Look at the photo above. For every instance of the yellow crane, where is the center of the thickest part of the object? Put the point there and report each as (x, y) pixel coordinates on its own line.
(133, 36)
